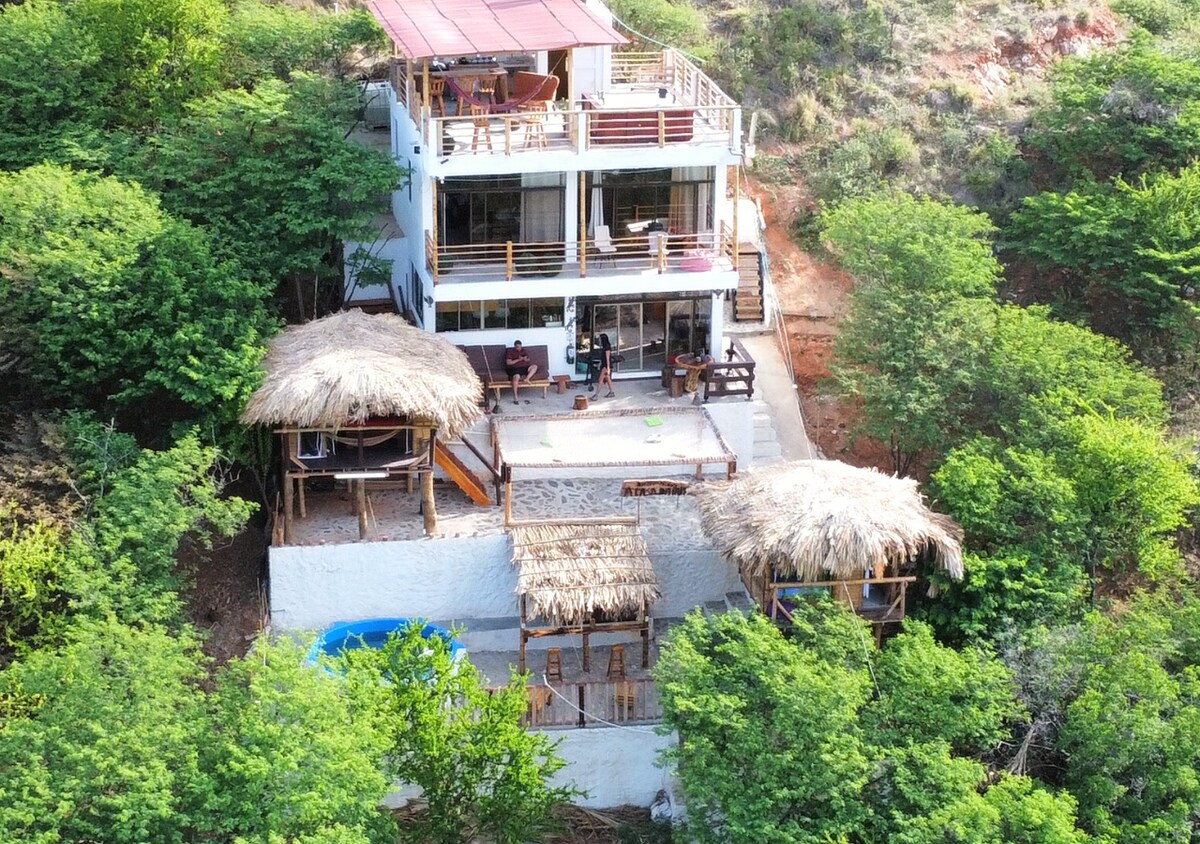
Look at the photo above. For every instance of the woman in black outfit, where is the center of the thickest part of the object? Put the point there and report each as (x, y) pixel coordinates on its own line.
(606, 363)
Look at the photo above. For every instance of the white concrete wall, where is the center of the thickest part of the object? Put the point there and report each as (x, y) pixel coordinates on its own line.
(455, 579)
(734, 418)
(614, 765)
(313, 586)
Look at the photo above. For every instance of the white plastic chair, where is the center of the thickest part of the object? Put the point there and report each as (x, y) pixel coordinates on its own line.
(605, 249)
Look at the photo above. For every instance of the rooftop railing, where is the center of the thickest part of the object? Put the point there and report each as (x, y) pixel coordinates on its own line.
(652, 100)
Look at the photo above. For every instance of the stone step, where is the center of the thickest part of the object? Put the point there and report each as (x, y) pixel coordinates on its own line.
(739, 600)
(767, 448)
(713, 607)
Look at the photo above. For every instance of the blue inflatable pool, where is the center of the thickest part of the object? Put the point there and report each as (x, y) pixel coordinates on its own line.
(373, 633)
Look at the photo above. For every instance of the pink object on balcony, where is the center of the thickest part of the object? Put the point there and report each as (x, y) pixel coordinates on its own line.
(696, 261)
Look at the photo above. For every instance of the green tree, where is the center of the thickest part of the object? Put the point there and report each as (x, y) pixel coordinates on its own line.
(770, 748)
(270, 175)
(109, 300)
(1121, 112)
(1015, 810)
(929, 692)
(480, 771)
(107, 751)
(911, 347)
(48, 74)
(1128, 247)
(143, 504)
(31, 562)
(265, 41)
(289, 758)
(155, 55)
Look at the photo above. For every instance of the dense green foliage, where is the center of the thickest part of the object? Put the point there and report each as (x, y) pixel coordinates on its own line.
(798, 741)
(112, 303)
(269, 175)
(481, 772)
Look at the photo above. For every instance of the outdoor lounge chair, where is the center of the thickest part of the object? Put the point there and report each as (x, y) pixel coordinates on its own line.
(603, 245)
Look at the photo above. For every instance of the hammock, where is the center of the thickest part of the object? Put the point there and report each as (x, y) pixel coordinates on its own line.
(493, 108)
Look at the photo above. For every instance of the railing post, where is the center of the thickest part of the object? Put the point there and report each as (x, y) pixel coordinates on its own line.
(662, 254)
(662, 128)
(582, 707)
(508, 261)
(582, 224)
(507, 135)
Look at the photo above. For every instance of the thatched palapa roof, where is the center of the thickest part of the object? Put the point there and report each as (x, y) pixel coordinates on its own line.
(813, 519)
(566, 571)
(350, 367)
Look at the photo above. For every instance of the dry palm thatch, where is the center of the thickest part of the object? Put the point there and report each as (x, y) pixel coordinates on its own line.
(566, 572)
(814, 519)
(350, 367)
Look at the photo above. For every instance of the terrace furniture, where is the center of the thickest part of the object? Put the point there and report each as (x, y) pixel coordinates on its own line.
(697, 260)
(533, 118)
(534, 87)
(554, 665)
(603, 246)
(616, 663)
(630, 127)
(488, 363)
(437, 94)
(561, 382)
(483, 127)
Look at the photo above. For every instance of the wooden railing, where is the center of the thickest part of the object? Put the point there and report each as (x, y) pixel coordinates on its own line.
(734, 377)
(592, 704)
(510, 260)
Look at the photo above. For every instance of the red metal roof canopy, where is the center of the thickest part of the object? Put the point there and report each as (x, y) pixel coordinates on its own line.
(425, 29)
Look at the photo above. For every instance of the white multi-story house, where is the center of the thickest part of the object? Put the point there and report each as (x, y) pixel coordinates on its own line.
(561, 186)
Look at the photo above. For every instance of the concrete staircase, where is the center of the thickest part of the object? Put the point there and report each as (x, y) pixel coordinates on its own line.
(737, 600)
(766, 442)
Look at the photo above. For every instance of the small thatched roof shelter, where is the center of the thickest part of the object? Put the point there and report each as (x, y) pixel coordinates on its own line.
(351, 367)
(567, 574)
(816, 519)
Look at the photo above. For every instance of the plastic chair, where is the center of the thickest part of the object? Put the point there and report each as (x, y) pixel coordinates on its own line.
(605, 249)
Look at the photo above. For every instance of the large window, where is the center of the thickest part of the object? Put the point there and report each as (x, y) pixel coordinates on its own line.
(679, 198)
(523, 208)
(476, 315)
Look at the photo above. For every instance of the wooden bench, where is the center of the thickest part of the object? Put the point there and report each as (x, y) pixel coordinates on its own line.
(488, 363)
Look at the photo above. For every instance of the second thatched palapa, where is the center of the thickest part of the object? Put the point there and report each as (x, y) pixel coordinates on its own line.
(819, 519)
(350, 367)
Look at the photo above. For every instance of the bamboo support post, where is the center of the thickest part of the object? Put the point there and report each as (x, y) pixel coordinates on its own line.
(508, 260)
(360, 507)
(583, 224)
(287, 509)
(428, 508)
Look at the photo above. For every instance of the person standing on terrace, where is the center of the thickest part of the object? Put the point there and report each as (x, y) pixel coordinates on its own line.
(518, 366)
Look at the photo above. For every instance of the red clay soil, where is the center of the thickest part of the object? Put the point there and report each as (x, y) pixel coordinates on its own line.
(813, 297)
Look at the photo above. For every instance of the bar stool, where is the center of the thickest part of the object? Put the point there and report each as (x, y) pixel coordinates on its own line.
(485, 86)
(533, 117)
(616, 663)
(554, 665)
(483, 127)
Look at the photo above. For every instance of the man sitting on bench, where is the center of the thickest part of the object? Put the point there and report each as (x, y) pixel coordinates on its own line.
(518, 366)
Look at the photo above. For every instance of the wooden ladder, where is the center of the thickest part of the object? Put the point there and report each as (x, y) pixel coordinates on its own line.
(460, 474)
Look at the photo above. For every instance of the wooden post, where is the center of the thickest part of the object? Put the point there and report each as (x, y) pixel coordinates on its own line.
(508, 260)
(583, 224)
(287, 508)
(645, 634)
(425, 84)
(508, 501)
(434, 185)
(587, 651)
(360, 506)
(662, 128)
(427, 506)
(737, 194)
